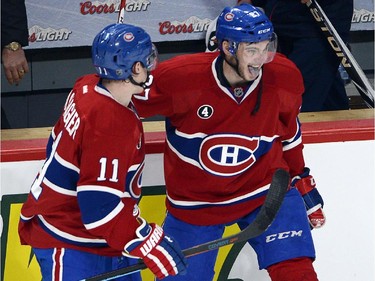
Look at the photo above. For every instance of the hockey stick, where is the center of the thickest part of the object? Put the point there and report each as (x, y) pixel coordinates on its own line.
(121, 13)
(266, 215)
(351, 66)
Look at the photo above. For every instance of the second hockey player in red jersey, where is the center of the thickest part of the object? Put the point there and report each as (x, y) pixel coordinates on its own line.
(231, 121)
(81, 216)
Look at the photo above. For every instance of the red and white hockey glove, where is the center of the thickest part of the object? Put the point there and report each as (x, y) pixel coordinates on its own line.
(160, 253)
(305, 184)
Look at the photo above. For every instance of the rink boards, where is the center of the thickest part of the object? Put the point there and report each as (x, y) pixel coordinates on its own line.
(339, 149)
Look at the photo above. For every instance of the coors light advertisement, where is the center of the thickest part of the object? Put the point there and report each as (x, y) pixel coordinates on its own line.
(72, 23)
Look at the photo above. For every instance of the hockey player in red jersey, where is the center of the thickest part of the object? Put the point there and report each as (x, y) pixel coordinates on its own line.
(231, 121)
(81, 216)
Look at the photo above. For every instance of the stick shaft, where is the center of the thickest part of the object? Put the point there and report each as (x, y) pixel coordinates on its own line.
(343, 53)
(262, 221)
(121, 14)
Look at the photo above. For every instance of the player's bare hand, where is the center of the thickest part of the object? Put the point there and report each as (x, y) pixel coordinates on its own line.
(15, 65)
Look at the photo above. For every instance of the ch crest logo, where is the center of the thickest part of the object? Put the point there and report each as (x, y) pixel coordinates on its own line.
(205, 111)
(228, 155)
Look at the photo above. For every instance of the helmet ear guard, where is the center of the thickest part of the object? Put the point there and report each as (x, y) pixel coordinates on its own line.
(118, 47)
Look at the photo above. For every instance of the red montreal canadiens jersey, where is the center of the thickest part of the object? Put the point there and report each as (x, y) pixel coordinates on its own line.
(220, 158)
(85, 195)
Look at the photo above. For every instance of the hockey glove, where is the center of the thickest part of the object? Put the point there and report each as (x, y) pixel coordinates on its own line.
(305, 184)
(160, 253)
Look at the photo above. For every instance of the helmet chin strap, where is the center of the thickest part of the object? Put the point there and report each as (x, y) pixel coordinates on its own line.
(144, 85)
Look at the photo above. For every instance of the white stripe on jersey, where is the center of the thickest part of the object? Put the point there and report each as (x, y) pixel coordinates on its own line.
(24, 218)
(226, 202)
(192, 161)
(101, 188)
(59, 189)
(184, 158)
(67, 235)
(293, 144)
(190, 136)
(36, 189)
(293, 141)
(107, 218)
(66, 164)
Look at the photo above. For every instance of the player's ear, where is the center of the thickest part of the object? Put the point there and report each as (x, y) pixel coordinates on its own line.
(137, 67)
(225, 45)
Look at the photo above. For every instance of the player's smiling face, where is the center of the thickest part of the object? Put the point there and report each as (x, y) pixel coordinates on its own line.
(251, 57)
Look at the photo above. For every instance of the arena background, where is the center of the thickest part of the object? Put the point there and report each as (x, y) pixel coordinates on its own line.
(61, 32)
(340, 150)
(60, 35)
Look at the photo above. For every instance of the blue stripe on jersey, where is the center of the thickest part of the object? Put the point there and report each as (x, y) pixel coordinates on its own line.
(99, 204)
(225, 154)
(62, 173)
(49, 145)
(188, 145)
(295, 140)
